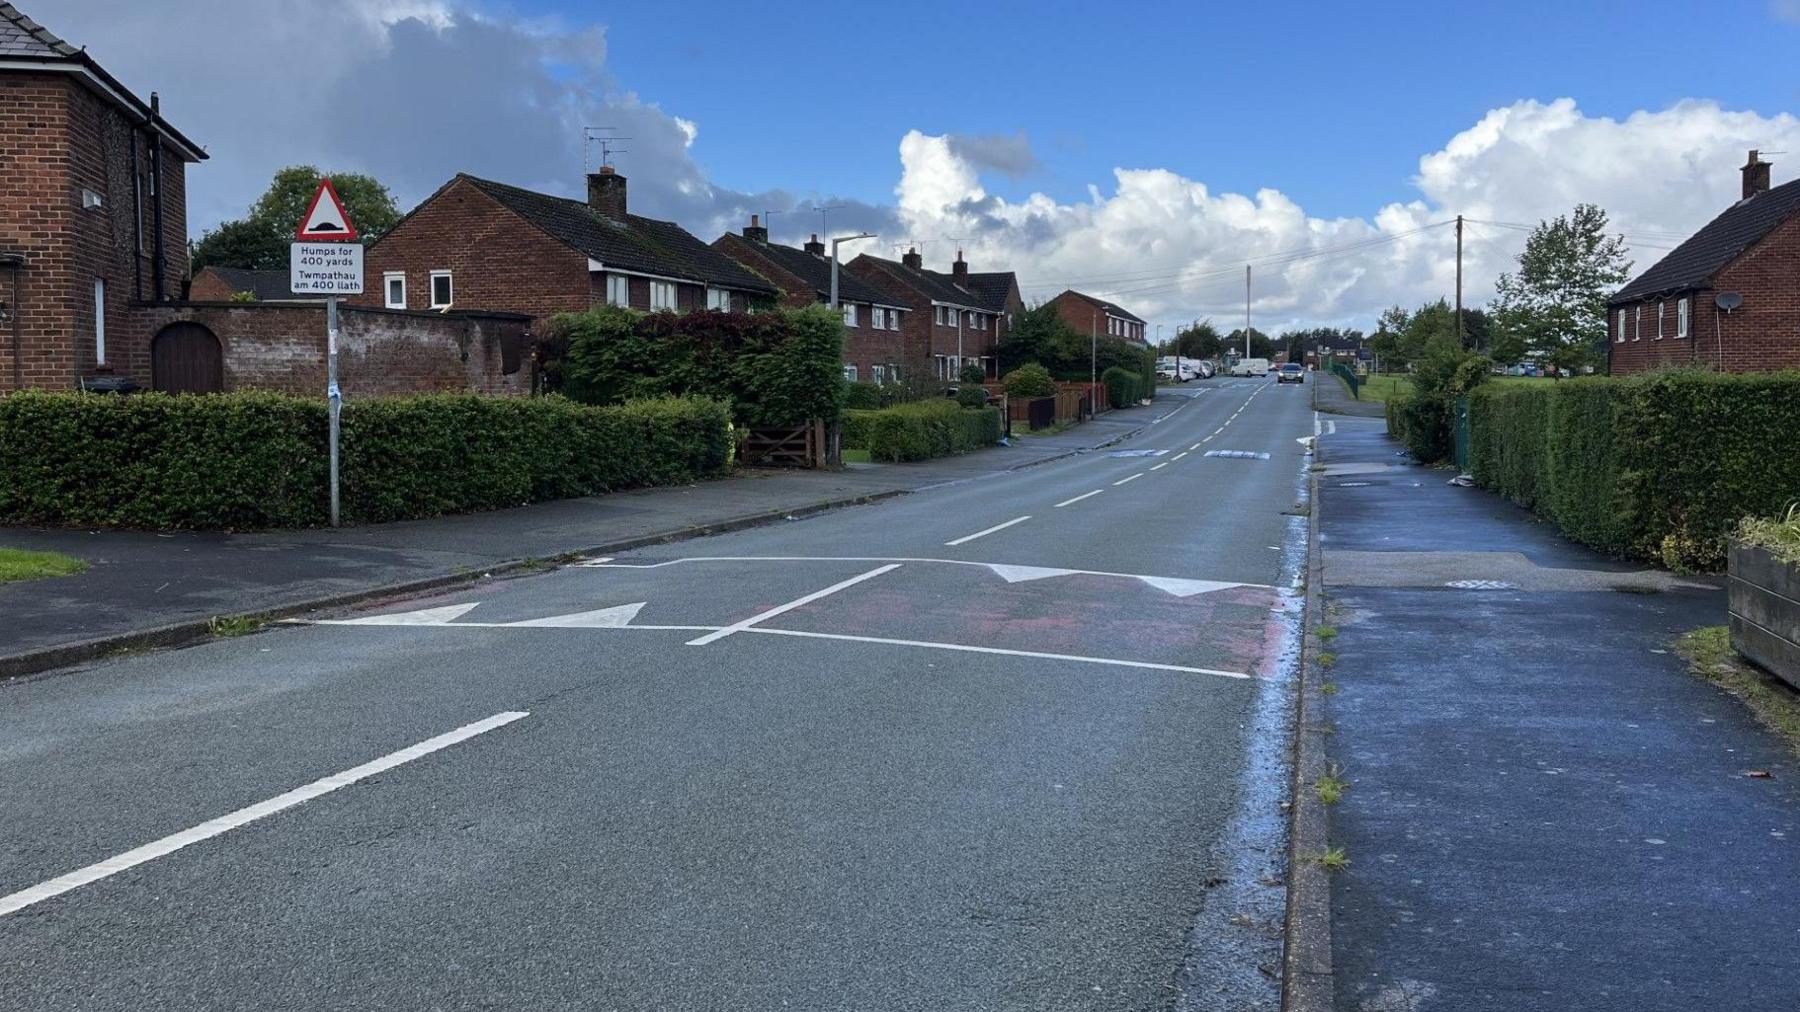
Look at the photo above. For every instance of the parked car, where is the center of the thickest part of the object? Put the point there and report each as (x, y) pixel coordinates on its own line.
(1207, 370)
(1292, 372)
(1251, 367)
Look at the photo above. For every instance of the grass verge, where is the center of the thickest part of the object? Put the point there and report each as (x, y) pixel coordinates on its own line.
(16, 565)
(857, 457)
(1709, 655)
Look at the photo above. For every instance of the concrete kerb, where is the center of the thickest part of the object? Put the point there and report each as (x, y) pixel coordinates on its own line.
(1307, 984)
(187, 633)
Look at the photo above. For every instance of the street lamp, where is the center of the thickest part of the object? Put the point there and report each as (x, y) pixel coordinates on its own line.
(834, 260)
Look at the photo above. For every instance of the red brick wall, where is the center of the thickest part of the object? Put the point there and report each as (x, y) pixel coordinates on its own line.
(923, 338)
(380, 352)
(497, 260)
(1762, 334)
(864, 346)
(1088, 318)
(209, 287)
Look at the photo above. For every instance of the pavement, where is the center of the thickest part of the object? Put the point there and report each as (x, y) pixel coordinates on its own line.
(1546, 810)
(1331, 395)
(145, 584)
(1011, 742)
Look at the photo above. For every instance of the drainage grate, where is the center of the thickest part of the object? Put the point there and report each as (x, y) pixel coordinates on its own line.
(1479, 585)
(1238, 454)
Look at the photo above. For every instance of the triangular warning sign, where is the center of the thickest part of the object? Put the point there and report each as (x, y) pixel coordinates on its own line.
(326, 220)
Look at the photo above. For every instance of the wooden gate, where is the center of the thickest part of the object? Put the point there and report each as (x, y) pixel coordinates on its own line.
(800, 446)
(185, 358)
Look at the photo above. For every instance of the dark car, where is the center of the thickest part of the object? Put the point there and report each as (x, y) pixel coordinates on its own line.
(1292, 372)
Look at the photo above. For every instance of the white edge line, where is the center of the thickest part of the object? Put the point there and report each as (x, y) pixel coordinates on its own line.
(965, 539)
(782, 609)
(965, 648)
(1134, 477)
(244, 816)
(1084, 495)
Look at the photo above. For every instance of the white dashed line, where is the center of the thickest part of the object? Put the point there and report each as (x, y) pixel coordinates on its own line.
(1184, 453)
(1161, 465)
(982, 534)
(1134, 477)
(1084, 495)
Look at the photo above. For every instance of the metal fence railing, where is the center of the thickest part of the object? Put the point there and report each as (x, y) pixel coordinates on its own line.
(1349, 377)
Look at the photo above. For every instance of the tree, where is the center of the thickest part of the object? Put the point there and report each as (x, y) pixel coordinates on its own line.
(1260, 345)
(1201, 340)
(1556, 301)
(259, 240)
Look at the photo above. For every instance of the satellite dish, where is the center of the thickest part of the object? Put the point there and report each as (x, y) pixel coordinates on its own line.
(1728, 301)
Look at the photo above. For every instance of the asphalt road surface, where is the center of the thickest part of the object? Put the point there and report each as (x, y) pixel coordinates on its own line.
(1012, 743)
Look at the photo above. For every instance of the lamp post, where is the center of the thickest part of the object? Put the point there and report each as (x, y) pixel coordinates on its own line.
(834, 260)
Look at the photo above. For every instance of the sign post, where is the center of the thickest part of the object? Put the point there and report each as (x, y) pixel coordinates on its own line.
(325, 259)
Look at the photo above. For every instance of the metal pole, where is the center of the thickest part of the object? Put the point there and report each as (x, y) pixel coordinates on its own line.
(1246, 311)
(1459, 319)
(332, 395)
(1093, 362)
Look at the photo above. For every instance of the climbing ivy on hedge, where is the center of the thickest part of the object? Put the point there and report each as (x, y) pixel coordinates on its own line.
(256, 460)
(1659, 467)
(921, 430)
(778, 368)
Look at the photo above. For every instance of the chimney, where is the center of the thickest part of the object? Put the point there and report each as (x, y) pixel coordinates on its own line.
(913, 259)
(606, 193)
(814, 246)
(755, 232)
(960, 269)
(1756, 176)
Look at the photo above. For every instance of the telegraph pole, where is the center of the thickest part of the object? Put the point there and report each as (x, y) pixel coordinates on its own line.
(1093, 361)
(1459, 319)
(1246, 311)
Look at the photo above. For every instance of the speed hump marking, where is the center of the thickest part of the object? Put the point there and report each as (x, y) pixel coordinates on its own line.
(326, 220)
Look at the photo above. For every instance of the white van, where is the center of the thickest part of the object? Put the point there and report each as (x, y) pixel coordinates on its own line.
(1250, 367)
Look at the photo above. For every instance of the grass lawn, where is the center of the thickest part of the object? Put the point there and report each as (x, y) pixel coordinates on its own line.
(856, 457)
(17, 564)
(1709, 655)
(1378, 387)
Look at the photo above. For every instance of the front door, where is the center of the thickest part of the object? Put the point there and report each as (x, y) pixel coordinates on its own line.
(185, 358)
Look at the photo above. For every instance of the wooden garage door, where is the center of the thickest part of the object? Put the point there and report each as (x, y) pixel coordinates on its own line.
(185, 359)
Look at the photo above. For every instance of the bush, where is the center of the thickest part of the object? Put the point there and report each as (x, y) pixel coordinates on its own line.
(256, 460)
(1028, 382)
(1123, 387)
(867, 396)
(920, 430)
(972, 396)
(972, 372)
(1658, 467)
(775, 369)
(1422, 424)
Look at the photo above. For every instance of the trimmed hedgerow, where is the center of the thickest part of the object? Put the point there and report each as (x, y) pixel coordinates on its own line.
(1659, 467)
(255, 460)
(1123, 387)
(920, 430)
(1422, 424)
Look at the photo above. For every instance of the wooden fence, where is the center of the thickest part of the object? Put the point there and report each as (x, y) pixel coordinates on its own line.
(809, 446)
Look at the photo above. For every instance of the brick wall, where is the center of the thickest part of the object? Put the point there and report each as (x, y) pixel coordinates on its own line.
(923, 339)
(864, 346)
(380, 352)
(1762, 334)
(1087, 317)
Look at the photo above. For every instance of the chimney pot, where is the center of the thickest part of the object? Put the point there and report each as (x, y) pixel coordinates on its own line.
(913, 259)
(960, 269)
(755, 232)
(1756, 175)
(814, 246)
(606, 193)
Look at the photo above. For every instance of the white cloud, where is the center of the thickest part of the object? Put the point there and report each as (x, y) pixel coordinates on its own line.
(1785, 10)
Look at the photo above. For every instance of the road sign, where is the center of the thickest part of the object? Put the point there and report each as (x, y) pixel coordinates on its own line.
(326, 220)
(325, 268)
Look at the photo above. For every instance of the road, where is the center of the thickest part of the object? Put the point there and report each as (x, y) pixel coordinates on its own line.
(1013, 743)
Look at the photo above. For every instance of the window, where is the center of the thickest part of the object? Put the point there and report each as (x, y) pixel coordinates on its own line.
(1660, 306)
(850, 373)
(618, 290)
(393, 283)
(893, 319)
(1637, 324)
(1621, 338)
(849, 314)
(1681, 318)
(877, 317)
(718, 298)
(99, 322)
(878, 373)
(662, 295)
(441, 290)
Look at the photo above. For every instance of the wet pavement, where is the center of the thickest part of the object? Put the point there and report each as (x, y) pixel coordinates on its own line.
(1546, 810)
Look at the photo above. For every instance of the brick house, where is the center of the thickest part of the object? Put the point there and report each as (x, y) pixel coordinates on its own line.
(93, 224)
(1749, 255)
(481, 245)
(947, 322)
(998, 291)
(1096, 316)
(873, 322)
(228, 284)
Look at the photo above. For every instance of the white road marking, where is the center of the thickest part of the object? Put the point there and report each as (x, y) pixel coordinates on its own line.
(1184, 453)
(782, 609)
(1084, 495)
(617, 617)
(1024, 574)
(965, 539)
(1161, 466)
(995, 567)
(965, 648)
(1134, 477)
(244, 816)
(1316, 428)
(1196, 446)
(429, 616)
(1331, 428)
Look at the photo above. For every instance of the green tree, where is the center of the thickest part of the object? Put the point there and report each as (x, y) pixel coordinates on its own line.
(1202, 340)
(1555, 303)
(1260, 344)
(259, 240)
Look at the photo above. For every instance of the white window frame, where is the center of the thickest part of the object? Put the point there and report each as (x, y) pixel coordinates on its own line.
(99, 321)
(663, 295)
(1637, 324)
(849, 309)
(1621, 338)
(718, 298)
(1683, 309)
(618, 290)
(893, 319)
(387, 289)
(877, 318)
(1660, 308)
(451, 283)
(850, 372)
(878, 374)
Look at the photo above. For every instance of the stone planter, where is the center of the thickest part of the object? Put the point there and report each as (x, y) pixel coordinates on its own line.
(1765, 611)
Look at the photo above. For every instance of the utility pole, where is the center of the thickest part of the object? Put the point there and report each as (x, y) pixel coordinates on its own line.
(1093, 360)
(1246, 311)
(1459, 319)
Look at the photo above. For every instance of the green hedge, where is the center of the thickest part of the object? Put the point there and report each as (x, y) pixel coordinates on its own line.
(868, 396)
(255, 460)
(1422, 424)
(1659, 467)
(921, 430)
(1124, 387)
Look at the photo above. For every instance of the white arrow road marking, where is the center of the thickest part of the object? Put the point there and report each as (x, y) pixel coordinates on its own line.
(1022, 574)
(244, 816)
(617, 617)
(782, 609)
(429, 616)
(965, 648)
(870, 558)
(1186, 588)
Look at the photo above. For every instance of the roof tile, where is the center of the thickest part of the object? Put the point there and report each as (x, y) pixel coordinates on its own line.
(1693, 263)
